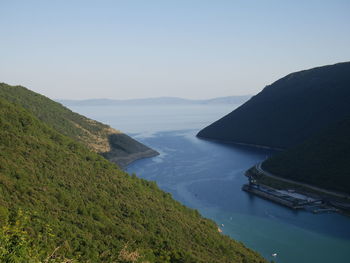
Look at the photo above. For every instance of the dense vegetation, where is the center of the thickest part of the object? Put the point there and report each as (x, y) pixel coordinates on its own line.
(95, 135)
(84, 205)
(16, 244)
(288, 111)
(323, 160)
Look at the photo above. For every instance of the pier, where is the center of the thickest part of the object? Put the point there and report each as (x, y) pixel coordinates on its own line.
(290, 199)
(274, 196)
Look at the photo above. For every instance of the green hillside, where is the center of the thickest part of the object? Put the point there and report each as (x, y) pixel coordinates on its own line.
(98, 137)
(288, 111)
(85, 207)
(323, 160)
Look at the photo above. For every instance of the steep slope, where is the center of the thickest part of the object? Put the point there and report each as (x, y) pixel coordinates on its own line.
(288, 111)
(323, 160)
(92, 210)
(98, 137)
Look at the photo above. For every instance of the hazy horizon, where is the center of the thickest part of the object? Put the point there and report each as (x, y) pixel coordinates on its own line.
(188, 49)
(160, 97)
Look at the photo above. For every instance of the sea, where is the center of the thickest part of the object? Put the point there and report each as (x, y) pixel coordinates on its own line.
(208, 176)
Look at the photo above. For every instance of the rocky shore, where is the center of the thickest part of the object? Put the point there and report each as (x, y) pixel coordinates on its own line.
(124, 150)
(124, 161)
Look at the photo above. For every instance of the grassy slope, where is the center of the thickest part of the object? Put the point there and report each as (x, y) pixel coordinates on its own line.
(323, 160)
(290, 110)
(94, 208)
(95, 135)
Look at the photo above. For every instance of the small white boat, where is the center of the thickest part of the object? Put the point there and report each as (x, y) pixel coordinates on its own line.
(274, 254)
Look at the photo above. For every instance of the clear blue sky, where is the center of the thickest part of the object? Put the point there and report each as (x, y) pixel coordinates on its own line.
(148, 48)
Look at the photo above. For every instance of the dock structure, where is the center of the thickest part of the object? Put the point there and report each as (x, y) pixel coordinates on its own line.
(294, 199)
(274, 196)
(277, 196)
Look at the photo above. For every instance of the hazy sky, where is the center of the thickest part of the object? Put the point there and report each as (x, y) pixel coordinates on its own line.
(148, 48)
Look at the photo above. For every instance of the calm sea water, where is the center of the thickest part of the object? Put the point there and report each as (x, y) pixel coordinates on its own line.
(208, 176)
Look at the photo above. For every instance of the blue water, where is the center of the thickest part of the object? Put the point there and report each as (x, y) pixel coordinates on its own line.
(208, 176)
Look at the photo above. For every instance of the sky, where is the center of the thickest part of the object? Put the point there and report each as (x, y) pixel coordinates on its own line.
(184, 48)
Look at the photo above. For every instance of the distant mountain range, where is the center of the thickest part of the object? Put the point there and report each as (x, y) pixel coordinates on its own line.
(152, 101)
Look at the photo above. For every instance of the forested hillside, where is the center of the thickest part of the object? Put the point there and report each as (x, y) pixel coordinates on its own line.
(288, 111)
(81, 206)
(97, 136)
(322, 161)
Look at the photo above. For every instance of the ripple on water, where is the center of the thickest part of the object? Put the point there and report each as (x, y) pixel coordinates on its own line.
(208, 176)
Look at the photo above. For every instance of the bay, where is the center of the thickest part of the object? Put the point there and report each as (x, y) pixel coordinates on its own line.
(208, 176)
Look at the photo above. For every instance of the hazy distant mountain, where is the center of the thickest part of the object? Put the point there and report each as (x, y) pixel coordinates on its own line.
(288, 111)
(158, 101)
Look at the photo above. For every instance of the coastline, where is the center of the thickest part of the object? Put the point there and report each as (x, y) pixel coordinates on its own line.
(340, 201)
(124, 161)
(336, 199)
(260, 170)
(124, 150)
(241, 143)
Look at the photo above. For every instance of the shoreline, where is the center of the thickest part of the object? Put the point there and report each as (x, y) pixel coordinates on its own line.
(340, 201)
(124, 161)
(259, 169)
(124, 150)
(241, 143)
